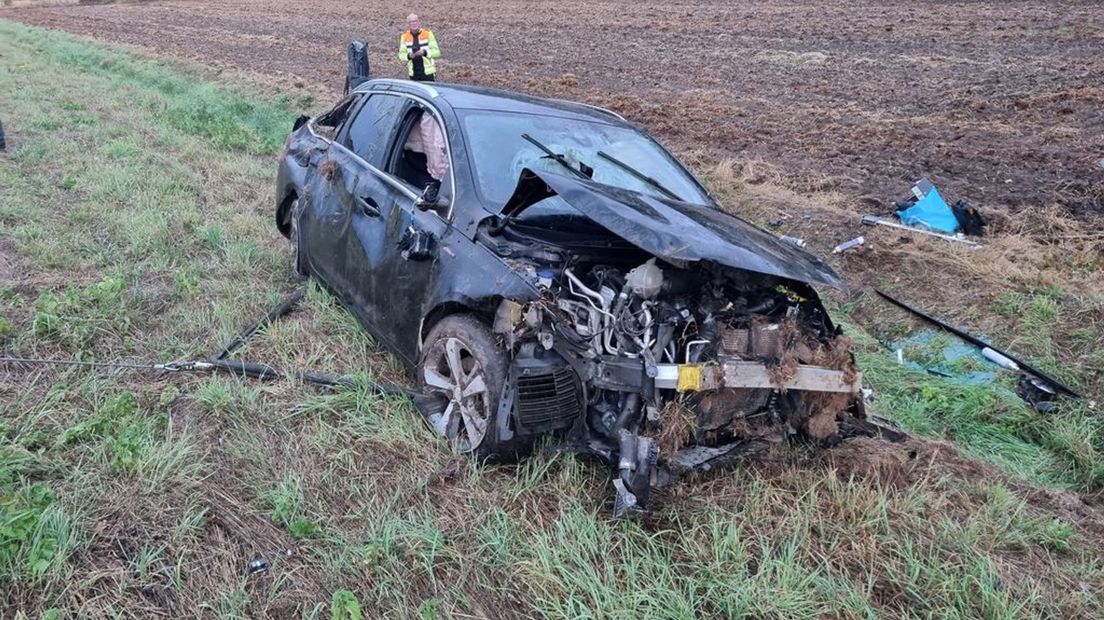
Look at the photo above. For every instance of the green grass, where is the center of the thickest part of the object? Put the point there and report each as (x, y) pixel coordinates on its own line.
(1064, 448)
(138, 200)
(35, 533)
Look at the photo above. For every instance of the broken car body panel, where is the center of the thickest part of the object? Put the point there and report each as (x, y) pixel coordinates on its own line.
(676, 231)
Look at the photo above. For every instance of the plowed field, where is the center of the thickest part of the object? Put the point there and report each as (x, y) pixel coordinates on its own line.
(1000, 102)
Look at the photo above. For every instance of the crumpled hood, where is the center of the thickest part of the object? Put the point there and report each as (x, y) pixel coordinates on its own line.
(675, 231)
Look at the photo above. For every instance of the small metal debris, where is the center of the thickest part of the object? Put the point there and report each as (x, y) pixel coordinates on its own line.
(847, 245)
(999, 359)
(874, 220)
(258, 564)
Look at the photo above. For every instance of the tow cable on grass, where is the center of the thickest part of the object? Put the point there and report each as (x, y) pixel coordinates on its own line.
(220, 364)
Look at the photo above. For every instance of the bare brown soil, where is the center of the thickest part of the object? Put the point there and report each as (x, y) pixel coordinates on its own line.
(998, 102)
(234, 528)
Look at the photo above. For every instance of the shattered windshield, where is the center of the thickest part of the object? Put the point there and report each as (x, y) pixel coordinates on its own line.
(499, 152)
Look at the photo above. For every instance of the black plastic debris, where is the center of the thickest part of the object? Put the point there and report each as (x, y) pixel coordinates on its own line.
(969, 218)
(3, 143)
(1037, 393)
(358, 65)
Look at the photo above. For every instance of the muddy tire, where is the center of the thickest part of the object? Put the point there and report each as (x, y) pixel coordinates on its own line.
(298, 271)
(462, 362)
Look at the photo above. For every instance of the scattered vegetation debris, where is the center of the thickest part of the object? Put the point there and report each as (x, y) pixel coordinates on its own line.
(677, 430)
(329, 169)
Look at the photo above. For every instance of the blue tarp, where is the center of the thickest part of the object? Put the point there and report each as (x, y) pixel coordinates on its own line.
(932, 212)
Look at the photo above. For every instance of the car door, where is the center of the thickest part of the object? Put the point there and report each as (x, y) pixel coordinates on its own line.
(323, 216)
(404, 274)
(372, 199)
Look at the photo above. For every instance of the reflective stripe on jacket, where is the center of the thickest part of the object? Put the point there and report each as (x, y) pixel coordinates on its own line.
(426, 41)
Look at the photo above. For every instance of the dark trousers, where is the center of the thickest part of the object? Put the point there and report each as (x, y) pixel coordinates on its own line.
(424, 78)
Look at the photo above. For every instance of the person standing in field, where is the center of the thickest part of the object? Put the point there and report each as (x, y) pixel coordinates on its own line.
(418, 49)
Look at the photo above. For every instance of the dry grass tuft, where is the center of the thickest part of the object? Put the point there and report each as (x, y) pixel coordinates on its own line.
(678, 428)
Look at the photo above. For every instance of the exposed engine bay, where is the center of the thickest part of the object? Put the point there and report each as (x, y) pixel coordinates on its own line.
(661, 369)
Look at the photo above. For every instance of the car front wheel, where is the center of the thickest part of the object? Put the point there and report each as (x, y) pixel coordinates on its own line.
(462, 363)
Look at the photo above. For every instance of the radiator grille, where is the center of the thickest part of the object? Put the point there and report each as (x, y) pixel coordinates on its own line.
(548, 401)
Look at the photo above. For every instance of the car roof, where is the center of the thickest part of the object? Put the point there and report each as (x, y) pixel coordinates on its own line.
(465, 97)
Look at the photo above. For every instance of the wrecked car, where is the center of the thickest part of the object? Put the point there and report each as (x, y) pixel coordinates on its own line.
(545, 267)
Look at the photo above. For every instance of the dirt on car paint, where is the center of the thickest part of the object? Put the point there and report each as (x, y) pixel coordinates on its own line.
(998, 103)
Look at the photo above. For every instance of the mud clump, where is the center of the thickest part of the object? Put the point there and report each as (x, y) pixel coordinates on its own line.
(819, 413)
(329, 170)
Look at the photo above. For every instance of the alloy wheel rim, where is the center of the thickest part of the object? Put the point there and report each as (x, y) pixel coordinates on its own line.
(455, 373)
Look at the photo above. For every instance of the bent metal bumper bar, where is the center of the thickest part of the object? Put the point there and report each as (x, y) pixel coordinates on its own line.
(741, 374)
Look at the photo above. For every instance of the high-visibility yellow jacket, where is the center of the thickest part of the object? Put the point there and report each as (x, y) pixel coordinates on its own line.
(426, 41)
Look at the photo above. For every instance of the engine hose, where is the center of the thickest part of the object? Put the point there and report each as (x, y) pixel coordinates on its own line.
(628, 410)
(764, 307)
(665, 332)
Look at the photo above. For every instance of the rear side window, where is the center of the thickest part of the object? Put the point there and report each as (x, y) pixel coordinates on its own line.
(373, 126)
(337, 115)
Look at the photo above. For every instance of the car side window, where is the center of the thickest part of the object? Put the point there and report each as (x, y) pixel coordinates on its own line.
(373, 126)
(421, 155)
(329, 124)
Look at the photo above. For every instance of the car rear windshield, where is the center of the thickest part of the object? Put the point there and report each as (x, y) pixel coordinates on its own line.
(499, 153)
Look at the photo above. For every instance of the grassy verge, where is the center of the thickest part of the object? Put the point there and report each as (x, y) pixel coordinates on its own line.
(135, 203)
